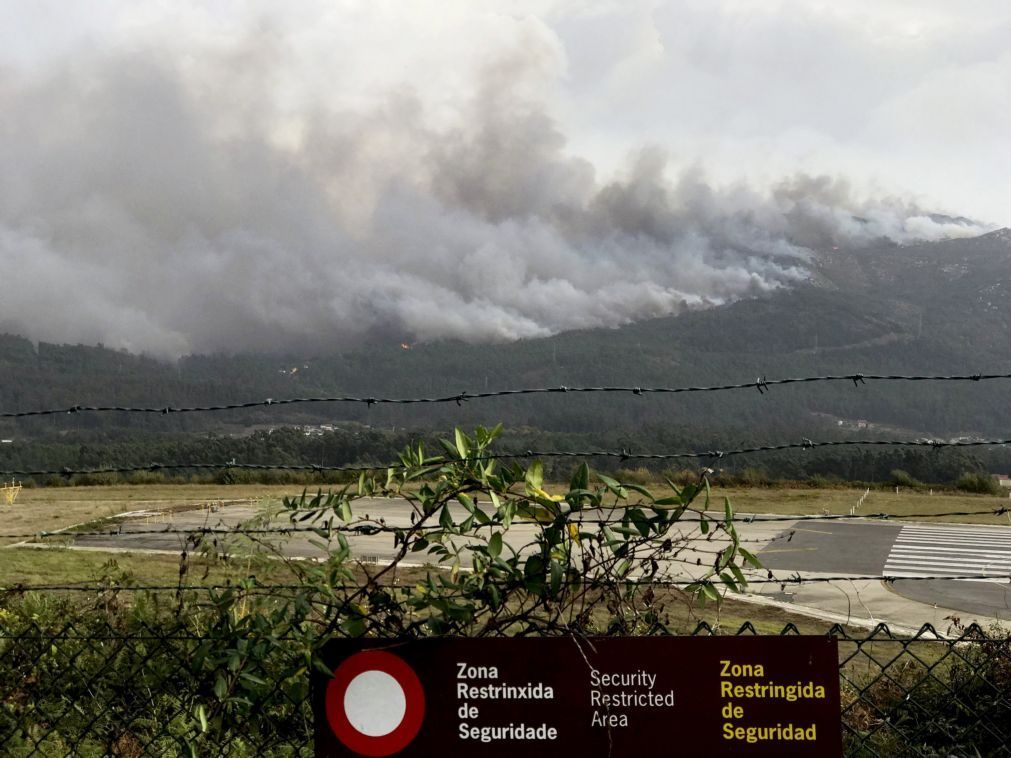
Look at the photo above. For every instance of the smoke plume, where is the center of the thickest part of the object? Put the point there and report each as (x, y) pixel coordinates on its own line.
(174, 208)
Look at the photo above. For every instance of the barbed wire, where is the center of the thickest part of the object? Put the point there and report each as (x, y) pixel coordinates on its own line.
(793, 579)
(623, 455)
(366, 530)
(763, 385)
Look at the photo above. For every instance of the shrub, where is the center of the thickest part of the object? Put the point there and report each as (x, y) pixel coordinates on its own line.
(979, 483)
(900, 478)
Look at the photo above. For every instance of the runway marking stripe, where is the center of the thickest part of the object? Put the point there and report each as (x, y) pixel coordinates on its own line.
(950, 551)
(943, 570)
(978, 549)
(985, 565)
(968, 559)
(928, 560)
(956, 538)
(954, 546)
(993, 531)
(927, 565)
(960, 550)
(954, 575)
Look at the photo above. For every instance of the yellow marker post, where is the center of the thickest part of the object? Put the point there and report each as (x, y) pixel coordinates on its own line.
(11, 491)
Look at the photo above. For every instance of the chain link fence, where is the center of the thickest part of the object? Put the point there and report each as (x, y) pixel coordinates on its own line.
(92, 686)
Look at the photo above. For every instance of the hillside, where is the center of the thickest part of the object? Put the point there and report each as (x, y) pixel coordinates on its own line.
(926, 308)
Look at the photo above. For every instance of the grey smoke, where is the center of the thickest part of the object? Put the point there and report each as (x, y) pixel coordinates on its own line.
(154, 209)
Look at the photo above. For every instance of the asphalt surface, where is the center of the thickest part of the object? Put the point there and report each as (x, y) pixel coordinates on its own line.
(832, 547)
(908, 550)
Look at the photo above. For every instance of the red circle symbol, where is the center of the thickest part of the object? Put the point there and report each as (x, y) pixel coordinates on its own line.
(386, 739)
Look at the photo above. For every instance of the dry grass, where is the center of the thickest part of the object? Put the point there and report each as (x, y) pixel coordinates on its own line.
(23, 565)
(52, 508)
(905, 503)
(838, 501)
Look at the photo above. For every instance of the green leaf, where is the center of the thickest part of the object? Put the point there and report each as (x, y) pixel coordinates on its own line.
(495, 545)
(728, 580)
(750, 558)
(534, 567)
(610, 538)
(641, 490)
(556, 577)
(668, 501)
(638, 518)
(451, 451)
(581, 478)
(710, 591)
(446, 518)
(728, 512)
(202, 714)
(508, 511)
(688, 493)
(462, 443)
(535, 475)
(611, 484)
(354, 627)
(726, 556)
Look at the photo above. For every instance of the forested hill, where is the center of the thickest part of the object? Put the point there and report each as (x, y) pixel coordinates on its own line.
(928, 308)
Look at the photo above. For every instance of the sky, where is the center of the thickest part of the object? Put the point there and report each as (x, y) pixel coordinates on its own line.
(184, 177)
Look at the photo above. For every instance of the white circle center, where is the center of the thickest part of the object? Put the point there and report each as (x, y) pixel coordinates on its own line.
(375, 703)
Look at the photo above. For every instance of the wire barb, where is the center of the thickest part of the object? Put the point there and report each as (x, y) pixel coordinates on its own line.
(762, 384)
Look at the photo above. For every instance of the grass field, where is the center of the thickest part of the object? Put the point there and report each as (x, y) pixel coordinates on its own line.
(52, 508)
(903, 504)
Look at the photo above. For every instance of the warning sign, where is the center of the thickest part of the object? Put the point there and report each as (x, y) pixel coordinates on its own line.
(610, 696)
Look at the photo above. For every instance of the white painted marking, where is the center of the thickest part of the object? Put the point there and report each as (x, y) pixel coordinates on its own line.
(941, 550)
(375, 703)
(950, 551)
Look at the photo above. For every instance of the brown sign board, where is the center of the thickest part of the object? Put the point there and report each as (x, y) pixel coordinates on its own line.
(597, 696)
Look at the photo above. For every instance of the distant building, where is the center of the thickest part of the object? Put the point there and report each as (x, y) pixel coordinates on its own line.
(1004, 480)
(6, 442)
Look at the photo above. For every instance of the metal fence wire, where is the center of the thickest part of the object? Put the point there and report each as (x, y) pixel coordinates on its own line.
(92, 686)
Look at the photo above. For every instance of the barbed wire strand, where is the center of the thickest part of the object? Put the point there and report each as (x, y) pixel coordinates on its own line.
(787, 580)
(763, 385)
